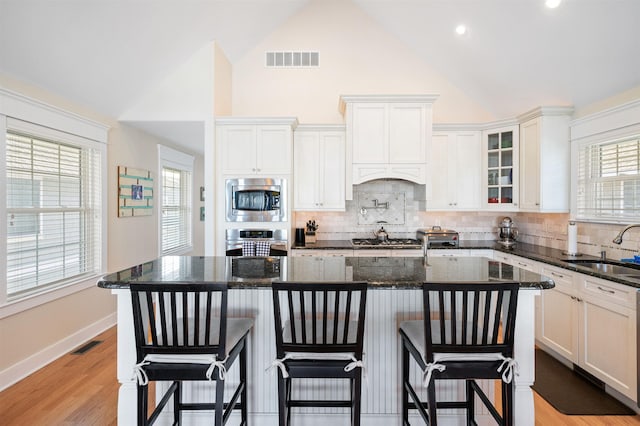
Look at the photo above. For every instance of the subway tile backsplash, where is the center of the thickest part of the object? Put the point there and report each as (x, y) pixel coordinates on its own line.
(405, 214)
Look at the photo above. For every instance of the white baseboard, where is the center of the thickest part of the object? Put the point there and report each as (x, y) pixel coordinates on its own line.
(24, 368)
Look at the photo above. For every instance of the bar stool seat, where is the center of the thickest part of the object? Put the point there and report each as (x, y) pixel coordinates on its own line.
(183, 334)
(466, 333)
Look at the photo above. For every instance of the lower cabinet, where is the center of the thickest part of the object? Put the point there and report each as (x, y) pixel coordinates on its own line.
(608, 333)
(557, 324)
(591, 322)
(322, 252)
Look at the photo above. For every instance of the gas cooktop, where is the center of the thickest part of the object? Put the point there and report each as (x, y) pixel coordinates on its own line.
(391, 242)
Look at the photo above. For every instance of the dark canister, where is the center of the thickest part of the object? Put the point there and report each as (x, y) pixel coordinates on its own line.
(299, 236)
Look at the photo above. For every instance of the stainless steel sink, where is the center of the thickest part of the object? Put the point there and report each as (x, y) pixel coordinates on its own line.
(608, 267)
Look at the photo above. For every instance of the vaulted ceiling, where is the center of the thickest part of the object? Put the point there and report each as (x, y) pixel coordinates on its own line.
(105, 54)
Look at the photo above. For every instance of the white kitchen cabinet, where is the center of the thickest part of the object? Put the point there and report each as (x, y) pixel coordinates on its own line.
(557, 326)
(387, 137)
(255, 146)
(591, 322)
(322, 252)
(500, 165)
(407, 253)
(319, 168)
(545, 161)
(326, 268)
(608, 333)
(456, 171)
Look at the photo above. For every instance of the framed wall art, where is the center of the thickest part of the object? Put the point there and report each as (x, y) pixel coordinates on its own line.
(135, 192)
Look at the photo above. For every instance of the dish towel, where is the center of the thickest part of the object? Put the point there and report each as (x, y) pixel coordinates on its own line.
(248, 248)
(263, 248)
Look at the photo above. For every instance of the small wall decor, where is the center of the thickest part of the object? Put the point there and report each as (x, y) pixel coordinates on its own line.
(135, 192)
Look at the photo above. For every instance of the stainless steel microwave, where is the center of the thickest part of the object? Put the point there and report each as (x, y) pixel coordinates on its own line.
(256, 200)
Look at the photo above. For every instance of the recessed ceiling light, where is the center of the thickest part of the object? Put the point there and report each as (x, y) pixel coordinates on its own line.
(552, 4)
(461, 29)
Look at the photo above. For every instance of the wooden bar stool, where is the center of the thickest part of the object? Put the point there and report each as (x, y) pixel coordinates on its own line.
(467, 333)
(319, 334)
(183, 333)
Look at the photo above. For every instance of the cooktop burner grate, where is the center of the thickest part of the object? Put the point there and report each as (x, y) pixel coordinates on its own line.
(389, 242)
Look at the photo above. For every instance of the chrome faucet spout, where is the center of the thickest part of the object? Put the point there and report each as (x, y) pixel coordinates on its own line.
(618, 238)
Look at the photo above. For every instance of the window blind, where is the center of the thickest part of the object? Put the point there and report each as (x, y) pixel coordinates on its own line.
(608, 180)
(176, 210)
(53, 212)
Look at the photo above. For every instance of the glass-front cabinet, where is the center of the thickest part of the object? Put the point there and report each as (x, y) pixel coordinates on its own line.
(501, 167)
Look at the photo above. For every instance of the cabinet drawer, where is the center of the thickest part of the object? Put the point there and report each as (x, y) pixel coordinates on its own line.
(523, 263)
(448, 253)
(563, 279)
(407, 253)
(608, 291)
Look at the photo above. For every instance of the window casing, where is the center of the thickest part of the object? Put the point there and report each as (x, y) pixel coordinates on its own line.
(176, 201)
(608, 180)
(53, 210)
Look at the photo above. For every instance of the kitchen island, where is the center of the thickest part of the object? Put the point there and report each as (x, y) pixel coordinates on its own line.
(394, 296)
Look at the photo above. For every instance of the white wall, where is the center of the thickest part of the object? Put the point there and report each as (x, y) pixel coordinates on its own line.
(357, 56)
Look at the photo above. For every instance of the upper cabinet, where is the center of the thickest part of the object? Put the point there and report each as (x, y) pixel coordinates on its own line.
(456, 171)
(255, 146)
(319, 168)
(545, 160)
(500, 165)
(387, 137)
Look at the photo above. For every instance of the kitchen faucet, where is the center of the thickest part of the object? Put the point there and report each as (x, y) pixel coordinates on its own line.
(618, 238)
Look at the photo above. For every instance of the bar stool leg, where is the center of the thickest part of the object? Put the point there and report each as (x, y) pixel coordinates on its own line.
(218, 415)
(143, 404)
(431, 400)
(471, 408)
(282, 405)
(405, 380)
(243, 383)
(355, 412)
(177, 400)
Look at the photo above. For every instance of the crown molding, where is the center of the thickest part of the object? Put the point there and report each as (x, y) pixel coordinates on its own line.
(345, 99)
(546, 111)
(287, 121)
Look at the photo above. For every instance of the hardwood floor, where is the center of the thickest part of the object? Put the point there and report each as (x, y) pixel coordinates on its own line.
(83, 390)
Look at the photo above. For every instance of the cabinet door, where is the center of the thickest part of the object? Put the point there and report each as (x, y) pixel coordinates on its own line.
(467, 172)
(456, 171)
(306, 171)
(559, 316)
(273, 150)
(370, 133)
(501, 167)
(238, 149)
(407, 133)
(331, 181)
(530, 165)
(441, 184)
(608, 330)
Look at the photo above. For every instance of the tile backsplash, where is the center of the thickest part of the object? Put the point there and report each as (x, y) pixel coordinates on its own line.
(405, 213)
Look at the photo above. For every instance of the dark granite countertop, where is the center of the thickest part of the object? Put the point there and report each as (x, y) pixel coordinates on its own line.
(379, 272)
(550, 256)
(326, 245)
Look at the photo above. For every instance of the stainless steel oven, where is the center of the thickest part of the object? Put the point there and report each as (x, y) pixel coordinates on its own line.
(276, 237)
(256, 200)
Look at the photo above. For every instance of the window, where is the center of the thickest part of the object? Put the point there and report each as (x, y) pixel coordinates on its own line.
(608, 184)
(176, 195)
(54, 205)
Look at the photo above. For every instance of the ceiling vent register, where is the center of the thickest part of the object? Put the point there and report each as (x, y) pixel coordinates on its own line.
(292, 59)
